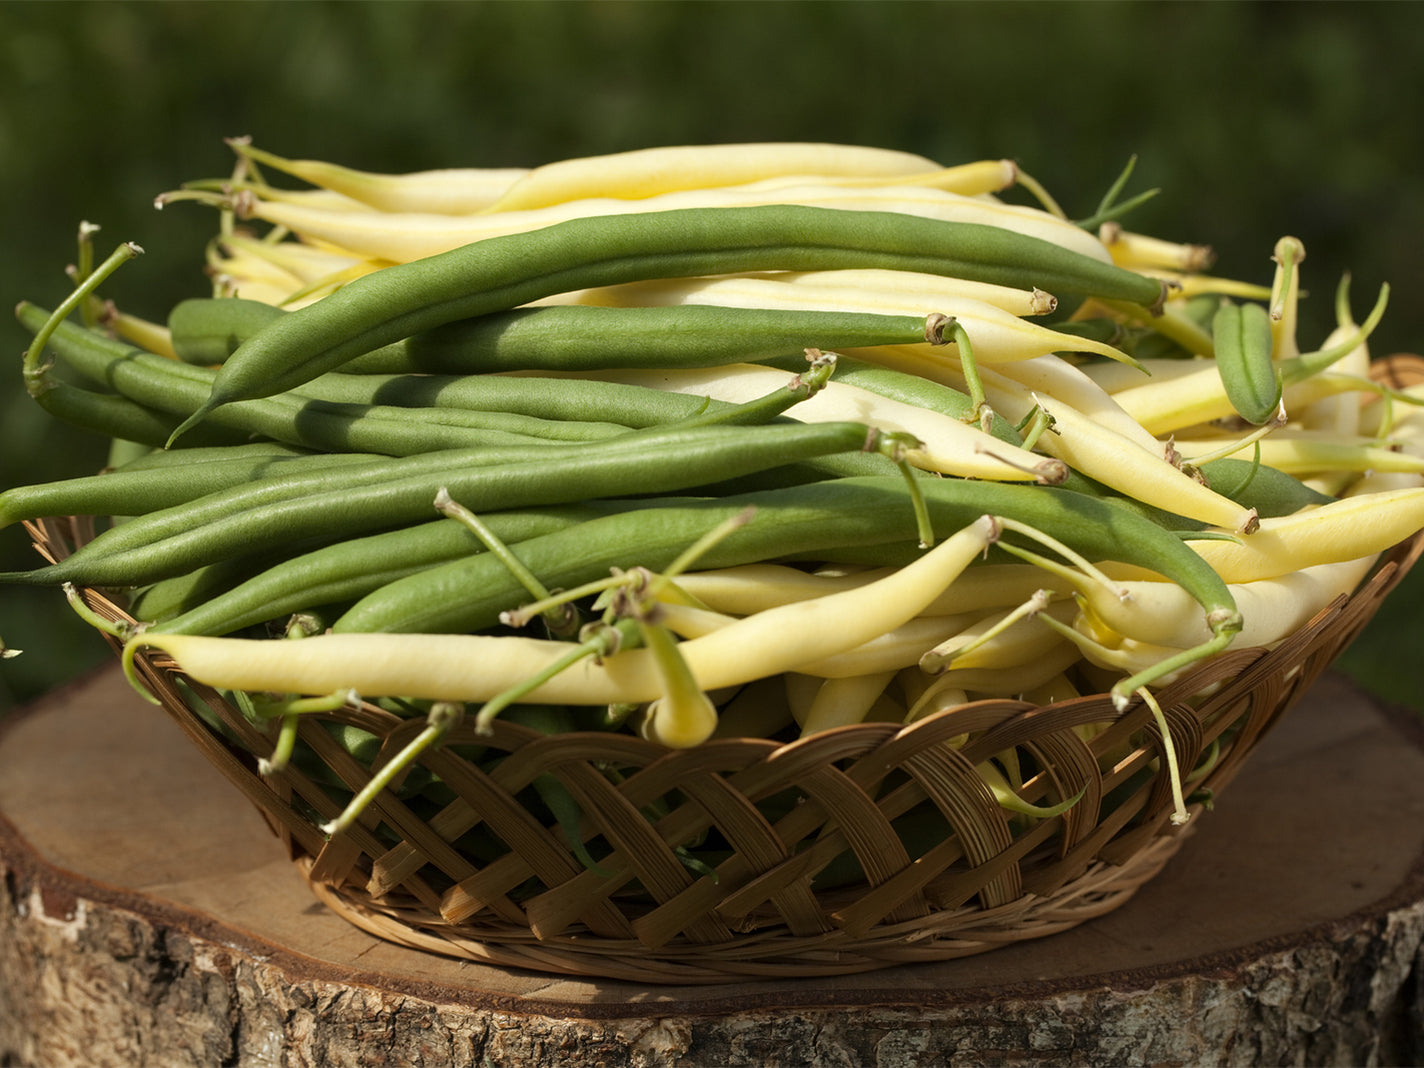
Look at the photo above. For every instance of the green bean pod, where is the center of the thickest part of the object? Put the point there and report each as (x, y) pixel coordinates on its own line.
(171, 596)
(1241, 337)
(1270, 491)
(908, 389)
(505, 272)
(543, 396)
(637, 463)
(180, 388)
(115, 416)
(813, 522)
(345, 571)
(581, 337)
(145, 488)
(207, 330)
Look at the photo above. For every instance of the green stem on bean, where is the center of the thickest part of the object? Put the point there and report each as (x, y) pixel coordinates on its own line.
(443, 716)
(289, 711)
(942, 659)
(504, 272)
(562, 620)
(84, 266)
(629, 623)
(1179, 814)
(114, 628)
(1109, 208)
(35, 372)
(1085, 568)
(599, 641)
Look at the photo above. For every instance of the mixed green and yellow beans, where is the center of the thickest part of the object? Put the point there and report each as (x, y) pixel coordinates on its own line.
(623, 438)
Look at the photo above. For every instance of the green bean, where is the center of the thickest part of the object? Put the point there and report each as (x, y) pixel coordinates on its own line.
(1270, 491)
(171, 596)
(568, 337)
(1242, 339)
(350, 569)
(505, 272)
(153, 525)
(354, 502)
(206, 330)
(179, 388)
(815, 521)
(909, 389)
(589, 338)
(538, 395)
(147, 488)
(159, 458)
(115, 416)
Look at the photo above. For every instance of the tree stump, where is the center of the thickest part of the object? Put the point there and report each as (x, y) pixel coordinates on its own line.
(149, 917)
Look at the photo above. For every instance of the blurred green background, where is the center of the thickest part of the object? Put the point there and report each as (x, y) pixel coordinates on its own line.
(1255, 119)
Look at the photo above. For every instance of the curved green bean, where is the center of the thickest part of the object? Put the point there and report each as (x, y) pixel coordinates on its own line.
(505, 272)
(354, 501)
(582, 337)
(179, 388)
(1242, 339)
(816, 521)
(147, 488)
(345, 571)
(207, 330)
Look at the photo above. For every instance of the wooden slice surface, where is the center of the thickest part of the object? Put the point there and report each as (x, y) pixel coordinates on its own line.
(148, 916)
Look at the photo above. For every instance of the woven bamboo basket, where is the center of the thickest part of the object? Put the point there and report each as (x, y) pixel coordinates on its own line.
(855, 849)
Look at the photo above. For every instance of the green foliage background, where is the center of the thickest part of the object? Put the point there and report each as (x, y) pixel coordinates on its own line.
(1255, 119)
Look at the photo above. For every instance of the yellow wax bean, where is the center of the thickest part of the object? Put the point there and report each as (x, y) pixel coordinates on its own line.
(148, 336)
(1163, 614)
(936, 699)
(1127, 657)
(314, 199)
(402, 237)
(1011, 682)
(683, 715)
(647, 172)
(240, 263)
(451, 190)
(981, 177)
(1340, 530)
(899, 648)
(851, 289)
(1112, 378)
(1187, 285)
(841, 702)
(304, 262)
(1285, 297)
(749, 588)
(948, 446)
(895, 649)
(1116, 461)
(467, 667)
(1020, 642)
(758, 710)
(1340, 412)
(800, 692)
(1055, 377)
(1165, 405)
(1136, 250)
(1301, 453)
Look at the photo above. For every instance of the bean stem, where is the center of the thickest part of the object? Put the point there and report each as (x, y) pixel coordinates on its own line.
(443, 716)
(34, 371)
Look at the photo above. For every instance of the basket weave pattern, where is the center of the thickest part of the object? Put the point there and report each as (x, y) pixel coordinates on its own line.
(482, 873)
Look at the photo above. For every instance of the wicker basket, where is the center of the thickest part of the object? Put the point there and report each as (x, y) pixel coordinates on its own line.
(475, 870)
